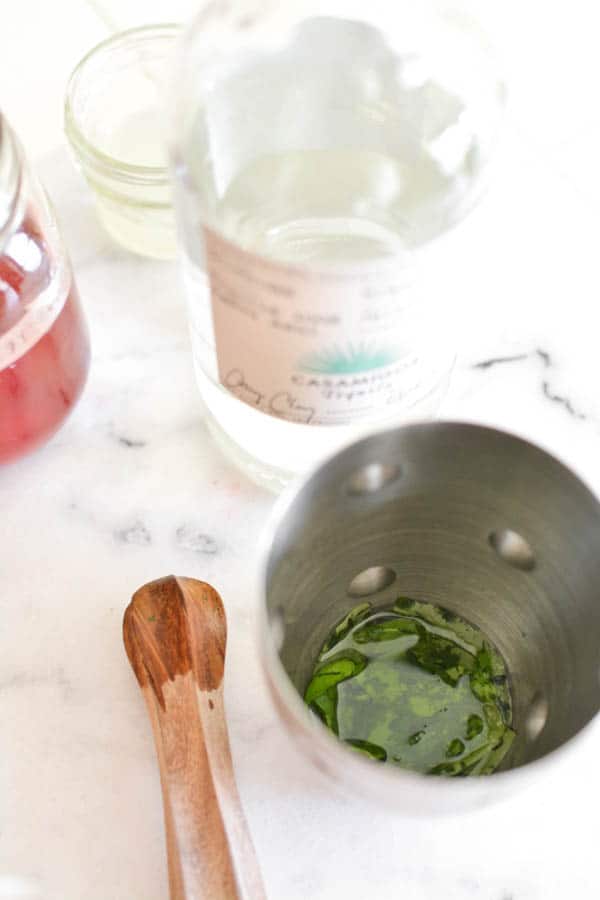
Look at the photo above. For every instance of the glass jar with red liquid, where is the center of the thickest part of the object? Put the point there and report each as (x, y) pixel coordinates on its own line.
(44, 347)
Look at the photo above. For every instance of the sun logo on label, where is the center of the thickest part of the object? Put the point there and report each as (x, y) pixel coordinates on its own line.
(349, 359)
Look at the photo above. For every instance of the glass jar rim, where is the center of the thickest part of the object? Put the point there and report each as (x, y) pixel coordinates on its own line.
(86, 149)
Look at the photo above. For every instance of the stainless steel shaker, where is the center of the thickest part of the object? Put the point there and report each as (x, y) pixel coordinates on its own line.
(466, 517)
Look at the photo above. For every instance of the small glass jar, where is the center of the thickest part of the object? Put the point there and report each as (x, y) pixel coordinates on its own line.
(114, 120)
(322, 148)
(44, 348)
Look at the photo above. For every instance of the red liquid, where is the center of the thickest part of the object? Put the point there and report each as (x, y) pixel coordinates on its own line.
(39, 389)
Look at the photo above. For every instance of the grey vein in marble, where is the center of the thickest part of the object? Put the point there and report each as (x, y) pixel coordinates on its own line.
(137, 533)
(125, 440)
(548, 392)
(188, 537)
(28, 679)
(562, 401)
(544, 356)
(129, 442)
(499, 360)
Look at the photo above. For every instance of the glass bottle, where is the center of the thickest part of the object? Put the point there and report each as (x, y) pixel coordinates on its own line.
(321, 150)
(44, 349)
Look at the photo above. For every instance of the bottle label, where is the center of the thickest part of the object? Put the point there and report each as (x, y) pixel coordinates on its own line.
(316, 347)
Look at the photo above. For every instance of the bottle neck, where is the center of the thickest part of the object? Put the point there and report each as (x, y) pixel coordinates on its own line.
(11, 176)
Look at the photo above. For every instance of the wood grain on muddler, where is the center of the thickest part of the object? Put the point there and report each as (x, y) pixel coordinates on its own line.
(175, 635)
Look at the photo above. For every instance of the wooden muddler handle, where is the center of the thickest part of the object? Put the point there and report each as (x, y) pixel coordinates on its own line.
(175, 634)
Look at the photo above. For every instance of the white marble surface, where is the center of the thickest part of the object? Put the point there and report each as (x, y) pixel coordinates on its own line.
(132, 488)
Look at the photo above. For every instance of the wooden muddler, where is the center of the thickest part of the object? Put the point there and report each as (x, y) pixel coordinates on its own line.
(175, 634)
